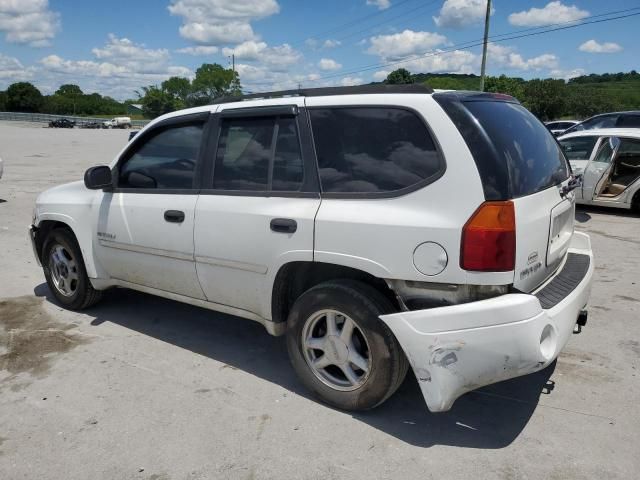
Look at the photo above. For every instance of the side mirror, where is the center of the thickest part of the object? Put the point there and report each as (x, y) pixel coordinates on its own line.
(97, 178)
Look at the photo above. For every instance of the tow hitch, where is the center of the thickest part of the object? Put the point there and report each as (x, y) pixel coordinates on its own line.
(581, 321)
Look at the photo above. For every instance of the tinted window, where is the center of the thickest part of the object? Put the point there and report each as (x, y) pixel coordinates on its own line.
(605, 153)
(372, 150)
(628, 121)
(246, 154)
(601, 121)
(578, 148)
(530, 153)
(167, 159)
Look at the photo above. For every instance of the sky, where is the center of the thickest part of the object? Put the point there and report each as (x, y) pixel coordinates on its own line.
(114, 47)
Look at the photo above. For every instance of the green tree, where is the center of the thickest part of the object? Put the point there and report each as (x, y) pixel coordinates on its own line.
(156, 102)
(68, 90)
(179, 88)
(508, 85)
(545, 98)
(23, 97)
(213, 81)
(3, 101)
(399, 76)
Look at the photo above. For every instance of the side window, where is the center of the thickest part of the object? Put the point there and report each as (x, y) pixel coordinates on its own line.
(372, 149)
(605, 152)
(258, 154)
(628, 121)
(167, 159)
(578, 148)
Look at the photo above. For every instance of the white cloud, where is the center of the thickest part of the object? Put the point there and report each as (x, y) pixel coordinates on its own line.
(567, 74)
(381, 75)
(591, 46)
(118, 68)
(553, 12)
(277, 58)
(381, 4)
(458, 61)
(328, 43)
(28, 22)
(135, 57)
(329, 64)
(199, 51)
(13, 70)
(505, 56)
(461, 13)
(216, 22)
(351, 81)
(408, 42)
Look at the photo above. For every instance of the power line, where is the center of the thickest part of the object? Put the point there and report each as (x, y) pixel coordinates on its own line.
(494, 39)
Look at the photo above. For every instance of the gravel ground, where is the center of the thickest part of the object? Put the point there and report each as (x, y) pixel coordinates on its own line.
(144, 388)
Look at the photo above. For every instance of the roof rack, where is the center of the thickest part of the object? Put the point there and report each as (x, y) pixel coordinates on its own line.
(326, 91)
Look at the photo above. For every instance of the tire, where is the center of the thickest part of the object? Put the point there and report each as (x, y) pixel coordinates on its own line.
(62, 260)
(345, 386)
(635, 203)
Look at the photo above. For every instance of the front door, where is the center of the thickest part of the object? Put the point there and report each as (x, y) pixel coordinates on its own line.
(145, 226)
(259, 211)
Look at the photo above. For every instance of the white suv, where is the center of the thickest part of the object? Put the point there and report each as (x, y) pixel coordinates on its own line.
(378, 227)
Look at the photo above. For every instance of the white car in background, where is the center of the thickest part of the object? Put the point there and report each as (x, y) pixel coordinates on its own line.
(378, 227)
(557, 127)
(609, 161)
(1, 167)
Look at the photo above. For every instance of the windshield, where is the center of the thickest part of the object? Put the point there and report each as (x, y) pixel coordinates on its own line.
(531, 155)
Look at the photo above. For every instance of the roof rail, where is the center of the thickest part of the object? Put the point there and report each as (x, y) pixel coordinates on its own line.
(326, 91)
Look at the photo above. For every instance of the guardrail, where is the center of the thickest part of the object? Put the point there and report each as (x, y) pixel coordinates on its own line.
(46, 118)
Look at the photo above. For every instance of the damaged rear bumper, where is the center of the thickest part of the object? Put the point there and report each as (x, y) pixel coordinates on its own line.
(459, 348)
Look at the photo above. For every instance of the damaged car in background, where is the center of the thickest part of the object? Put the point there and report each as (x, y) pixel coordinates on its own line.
(378, 227)
(609, 162)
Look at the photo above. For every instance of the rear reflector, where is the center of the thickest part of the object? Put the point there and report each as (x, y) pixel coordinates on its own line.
(489, 239)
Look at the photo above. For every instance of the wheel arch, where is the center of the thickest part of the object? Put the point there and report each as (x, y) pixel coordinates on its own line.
(296, 277)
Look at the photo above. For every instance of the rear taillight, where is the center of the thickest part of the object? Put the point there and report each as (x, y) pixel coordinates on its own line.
(489, 239)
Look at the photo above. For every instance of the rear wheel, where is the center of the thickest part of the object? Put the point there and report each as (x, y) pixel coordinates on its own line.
(65, 272)
(635, 202)
(339, 347)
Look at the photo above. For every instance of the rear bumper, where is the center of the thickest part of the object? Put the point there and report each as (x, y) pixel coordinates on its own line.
(459, 348)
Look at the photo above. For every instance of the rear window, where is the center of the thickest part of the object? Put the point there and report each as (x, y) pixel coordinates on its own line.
(372, 150)
(524, 146)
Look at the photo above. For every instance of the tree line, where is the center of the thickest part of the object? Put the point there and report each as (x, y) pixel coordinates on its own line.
(211, 82)
(548, 99)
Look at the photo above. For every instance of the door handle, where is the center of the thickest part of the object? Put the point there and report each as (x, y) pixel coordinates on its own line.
(174, 216)
(284, 225)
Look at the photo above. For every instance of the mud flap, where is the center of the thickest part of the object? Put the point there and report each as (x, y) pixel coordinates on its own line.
(459, 348)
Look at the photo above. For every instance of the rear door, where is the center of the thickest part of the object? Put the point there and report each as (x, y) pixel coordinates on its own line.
(257, 212)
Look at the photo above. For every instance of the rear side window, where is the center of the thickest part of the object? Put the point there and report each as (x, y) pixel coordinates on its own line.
(258, 154)
(628, 121)
(578, 148)
(369, 150)
(524, 147)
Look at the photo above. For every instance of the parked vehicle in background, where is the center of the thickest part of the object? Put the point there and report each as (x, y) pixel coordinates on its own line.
(1, 167)
(378, 227)
(62, 123)
(117, 122)
(609, 161)
(559, 126)
(630, 119)
(92, 125)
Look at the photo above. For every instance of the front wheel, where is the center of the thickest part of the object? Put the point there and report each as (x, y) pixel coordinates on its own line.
(339, 347)
(65, 272)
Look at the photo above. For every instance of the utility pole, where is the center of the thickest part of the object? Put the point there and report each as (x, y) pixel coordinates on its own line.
(484, 45)
(233, 63)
